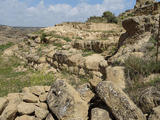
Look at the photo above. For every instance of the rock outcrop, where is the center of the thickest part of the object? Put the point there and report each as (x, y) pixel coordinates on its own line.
(149, 99)
(118, 102)
(156, 114)
(141, 3)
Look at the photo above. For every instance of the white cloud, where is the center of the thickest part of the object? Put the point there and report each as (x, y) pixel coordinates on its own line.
(17, 13)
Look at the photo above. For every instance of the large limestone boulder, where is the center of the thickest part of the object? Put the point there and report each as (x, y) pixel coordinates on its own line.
(149, 99)
(156, 114)
(93, 62)
(65, 102)
(118, 102)
(99, 114)
(117, 76)
(76, 60)
(26, 108)
(134, 25)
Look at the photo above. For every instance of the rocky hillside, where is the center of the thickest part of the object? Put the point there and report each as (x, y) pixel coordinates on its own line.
(14, 34)
(86, 71)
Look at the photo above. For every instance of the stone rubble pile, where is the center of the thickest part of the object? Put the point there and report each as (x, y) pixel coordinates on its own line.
(63, 102)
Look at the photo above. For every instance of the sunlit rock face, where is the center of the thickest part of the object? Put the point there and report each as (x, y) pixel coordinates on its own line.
(141, 3)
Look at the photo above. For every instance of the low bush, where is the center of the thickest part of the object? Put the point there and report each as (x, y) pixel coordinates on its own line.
(107, 17)
(43, 38)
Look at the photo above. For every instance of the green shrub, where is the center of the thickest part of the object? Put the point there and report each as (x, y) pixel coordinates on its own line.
(111, 18)
(107, 17)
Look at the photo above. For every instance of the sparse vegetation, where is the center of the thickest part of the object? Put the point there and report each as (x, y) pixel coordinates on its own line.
(75, 81)
(13, 81)
(139, 67)
(59, 45)
(5, 46)
(67, 39)
(43, 37)
(87, 52)
(79, 38)
(40, 78)
(53, 34)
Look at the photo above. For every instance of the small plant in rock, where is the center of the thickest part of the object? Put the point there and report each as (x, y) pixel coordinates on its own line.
(43, 38)
(87, 53)
(152, 39)
(59, 45)
(67, 39)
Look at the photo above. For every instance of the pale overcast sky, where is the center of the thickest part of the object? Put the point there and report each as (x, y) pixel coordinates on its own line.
(51, 12)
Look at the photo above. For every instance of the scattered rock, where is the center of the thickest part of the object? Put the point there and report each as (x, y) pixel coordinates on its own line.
(3, 104)
(92, 62)
(85, 92)
(47, 88)
(30, 98)
(26, 108)
(14, 98)
(156, 114)
(117, 76)
(141, 3)
(49, 117)
(25, 117)
(37, 90)
(149, 99)
(41, 113)
(43, 97)
(9, 113)
(42, 105)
